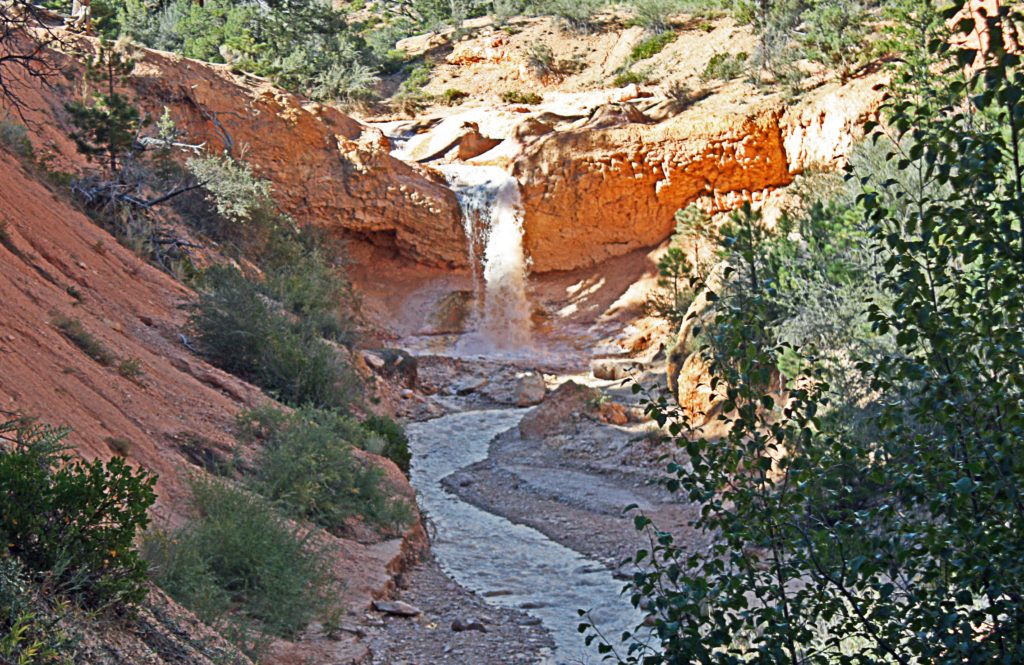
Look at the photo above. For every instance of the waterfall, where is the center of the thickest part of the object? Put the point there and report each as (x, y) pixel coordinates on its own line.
(493, 213)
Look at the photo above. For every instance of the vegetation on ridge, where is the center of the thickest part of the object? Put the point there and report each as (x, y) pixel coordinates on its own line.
(864, 493)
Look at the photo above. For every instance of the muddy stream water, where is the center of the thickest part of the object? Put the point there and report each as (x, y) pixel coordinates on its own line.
(508, 564)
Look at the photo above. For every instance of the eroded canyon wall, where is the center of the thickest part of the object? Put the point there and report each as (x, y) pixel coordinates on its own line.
(592, 193)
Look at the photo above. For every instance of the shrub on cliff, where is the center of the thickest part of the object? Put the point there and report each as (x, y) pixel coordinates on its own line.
(239, 329)
(71, 521)
(307, 466)
(30, 631)
(239, 555)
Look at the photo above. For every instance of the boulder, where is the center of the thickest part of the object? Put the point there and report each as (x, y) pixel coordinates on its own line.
(396, 608)
(558, 413)
(474, 144)
(614, 369)
(613, 413)
(530, 389)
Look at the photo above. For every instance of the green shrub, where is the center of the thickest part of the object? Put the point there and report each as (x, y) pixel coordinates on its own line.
(238, 195)
(76, 333)
(73, 520)
(130, 368)
(306, 275)
(453, 96)
(240, 555)
(29, 629)
(724, 66)
(654, 14)
(577, 14)
(307, 465)
(242, 331)
(837, 35)
(396, 447)
(519, 97)
(14, 136)
(632, 76)
(652, 46)
(411, 95)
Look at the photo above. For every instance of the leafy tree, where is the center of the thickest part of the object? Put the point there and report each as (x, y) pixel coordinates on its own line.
(900, 542)
(107, 123)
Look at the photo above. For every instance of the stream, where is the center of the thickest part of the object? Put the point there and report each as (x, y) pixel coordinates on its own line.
(508, 564)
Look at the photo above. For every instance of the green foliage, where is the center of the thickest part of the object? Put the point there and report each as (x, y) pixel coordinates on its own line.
(239, 196)
(725, 66)
(836, 35)
(396, 444)
(576, 14)
(632, 76)
(76, 333)
(520, 97)
(897, 540)
(681, 275)
(411, 95)
(29, 630)
(307, 466)
(107, 124)
(652, 46)
(71, 520)
(305, 46)
(654, 14)
(242, 331)
(239, 555)
(131, 369)
(453, 96)
(14, 137)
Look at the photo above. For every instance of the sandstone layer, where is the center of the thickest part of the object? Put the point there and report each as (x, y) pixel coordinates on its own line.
(594, 192)
(327, 169)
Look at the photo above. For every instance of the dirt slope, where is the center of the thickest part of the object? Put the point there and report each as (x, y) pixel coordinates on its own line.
(54, 262)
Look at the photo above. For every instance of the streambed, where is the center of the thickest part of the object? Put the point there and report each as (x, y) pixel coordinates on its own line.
(510, 565)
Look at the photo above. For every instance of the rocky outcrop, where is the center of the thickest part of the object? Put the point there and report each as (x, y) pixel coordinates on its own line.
(596, 191)
(327, 168)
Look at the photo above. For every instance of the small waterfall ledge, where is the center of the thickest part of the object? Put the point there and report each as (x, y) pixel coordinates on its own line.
(493, 214)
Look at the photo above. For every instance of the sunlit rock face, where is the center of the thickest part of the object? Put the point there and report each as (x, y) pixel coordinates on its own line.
(595, 192)
(328, 169)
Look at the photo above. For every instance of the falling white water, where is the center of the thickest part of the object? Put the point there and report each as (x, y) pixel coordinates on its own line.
(494, 220)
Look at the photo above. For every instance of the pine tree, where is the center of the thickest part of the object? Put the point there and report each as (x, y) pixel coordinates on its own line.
(107, 123)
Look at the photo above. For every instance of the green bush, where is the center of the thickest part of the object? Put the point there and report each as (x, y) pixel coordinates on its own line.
(306, 275)
(396, 446)
(520, 97)
(632, 76)
(886, 529)
(453, 96)
(242, 331)
(724, 66)
(76, 333)
(29, 629)
(240, 555)
(232, 187)
(577, 14)
(307, 465)
(837, 35)
(652, 46)
(14, 136)
(411, 95)
(72, 520)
